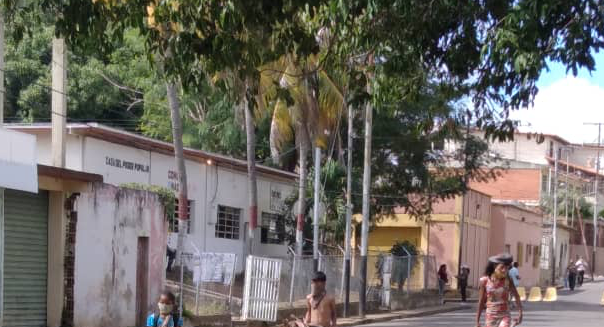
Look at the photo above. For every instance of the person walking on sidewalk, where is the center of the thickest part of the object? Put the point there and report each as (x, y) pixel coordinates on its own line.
(571, 275)
(515, 274)
(321, 307)
(581, 266)
(462, 279)
(443, 279)
(496, 288)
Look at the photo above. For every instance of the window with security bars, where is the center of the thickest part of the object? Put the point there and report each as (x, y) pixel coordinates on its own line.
(272, 229)
(544, 183)
(227, 224)
(173, 226)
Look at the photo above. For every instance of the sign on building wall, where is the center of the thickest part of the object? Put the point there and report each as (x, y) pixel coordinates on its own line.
(277, 198)
(119, 164)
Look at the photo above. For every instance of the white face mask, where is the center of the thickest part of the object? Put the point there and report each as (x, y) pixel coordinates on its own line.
(164, 308)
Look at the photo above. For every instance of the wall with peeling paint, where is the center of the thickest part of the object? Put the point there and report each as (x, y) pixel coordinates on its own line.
(110, 221)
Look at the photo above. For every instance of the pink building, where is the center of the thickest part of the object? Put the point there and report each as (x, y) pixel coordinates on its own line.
(516, 229)
(444, 234)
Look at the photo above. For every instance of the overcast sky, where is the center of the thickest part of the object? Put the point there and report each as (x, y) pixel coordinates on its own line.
(565, 102)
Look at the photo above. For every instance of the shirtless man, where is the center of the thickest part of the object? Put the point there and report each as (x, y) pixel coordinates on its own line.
(321, 307)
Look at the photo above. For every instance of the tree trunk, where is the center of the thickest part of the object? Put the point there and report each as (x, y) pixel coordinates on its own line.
(316, 194)
(250, 133)
(274, 134)
(340, 148)
(304, 146)
(179, 157)
(174, 105)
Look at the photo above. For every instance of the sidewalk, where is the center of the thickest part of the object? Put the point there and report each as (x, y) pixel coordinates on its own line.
(393, 315)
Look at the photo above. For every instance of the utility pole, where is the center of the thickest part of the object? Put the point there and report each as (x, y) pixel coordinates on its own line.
(462, 220)
(566, 186)
(58, 101)
(347, 237)
(56, 199)
(555, 218)
(315, 218)
(595, 222)
(1, 68)
(593, 255)
(366, 209)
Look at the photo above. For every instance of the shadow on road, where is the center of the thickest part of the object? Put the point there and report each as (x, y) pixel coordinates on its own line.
(569, 292)
(563, 306)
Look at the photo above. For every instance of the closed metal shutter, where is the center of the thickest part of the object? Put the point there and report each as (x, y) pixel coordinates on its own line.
(25, 258)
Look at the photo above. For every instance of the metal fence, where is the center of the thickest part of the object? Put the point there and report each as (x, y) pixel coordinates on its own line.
(208, 287)
(411, 274)
(384, 272)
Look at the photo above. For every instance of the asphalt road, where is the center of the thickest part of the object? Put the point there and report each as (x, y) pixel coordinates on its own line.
(581, 308)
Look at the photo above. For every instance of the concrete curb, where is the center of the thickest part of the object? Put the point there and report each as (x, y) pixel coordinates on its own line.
(400, 315)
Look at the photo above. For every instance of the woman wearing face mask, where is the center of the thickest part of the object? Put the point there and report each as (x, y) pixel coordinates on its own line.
(494, 294)
(166, 316)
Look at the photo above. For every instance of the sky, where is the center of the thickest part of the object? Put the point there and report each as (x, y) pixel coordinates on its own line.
(565, 102)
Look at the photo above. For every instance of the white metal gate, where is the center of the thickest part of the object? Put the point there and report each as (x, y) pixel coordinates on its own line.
(261, 289)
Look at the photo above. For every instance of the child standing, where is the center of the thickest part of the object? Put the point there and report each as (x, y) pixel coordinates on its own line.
(166, 316)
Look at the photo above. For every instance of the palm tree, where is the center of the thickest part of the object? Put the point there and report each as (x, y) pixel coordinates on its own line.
(306, 103)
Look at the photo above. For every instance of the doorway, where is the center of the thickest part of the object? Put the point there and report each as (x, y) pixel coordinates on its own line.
(142, 281)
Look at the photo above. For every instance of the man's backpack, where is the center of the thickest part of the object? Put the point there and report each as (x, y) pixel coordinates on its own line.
(175, 319)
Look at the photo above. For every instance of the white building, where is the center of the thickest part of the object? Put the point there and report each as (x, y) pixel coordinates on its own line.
(217, 184)
(112, 275)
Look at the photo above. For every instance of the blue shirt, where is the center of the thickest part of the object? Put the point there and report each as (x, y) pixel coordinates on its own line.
(514, 273)
(160, 321)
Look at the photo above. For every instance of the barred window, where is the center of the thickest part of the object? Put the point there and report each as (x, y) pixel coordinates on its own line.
(173, 224)
(544, 182)
(272, 228)
(227, 224)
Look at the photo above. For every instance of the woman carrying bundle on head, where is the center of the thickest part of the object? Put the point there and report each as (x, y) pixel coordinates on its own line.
(495, 292)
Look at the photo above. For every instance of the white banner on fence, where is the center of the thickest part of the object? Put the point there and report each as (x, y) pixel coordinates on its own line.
(215, 268)
(261, 289)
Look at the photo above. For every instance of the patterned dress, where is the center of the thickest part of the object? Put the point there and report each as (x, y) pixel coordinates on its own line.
(498, 295)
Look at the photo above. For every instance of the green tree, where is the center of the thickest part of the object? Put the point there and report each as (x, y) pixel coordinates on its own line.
(487, 55)
(309, 111)
(96, 89)
(333, 183)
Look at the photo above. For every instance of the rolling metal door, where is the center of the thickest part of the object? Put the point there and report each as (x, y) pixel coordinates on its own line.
(25, 258)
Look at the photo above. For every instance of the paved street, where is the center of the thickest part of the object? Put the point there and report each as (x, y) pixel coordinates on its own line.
(581, 308)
